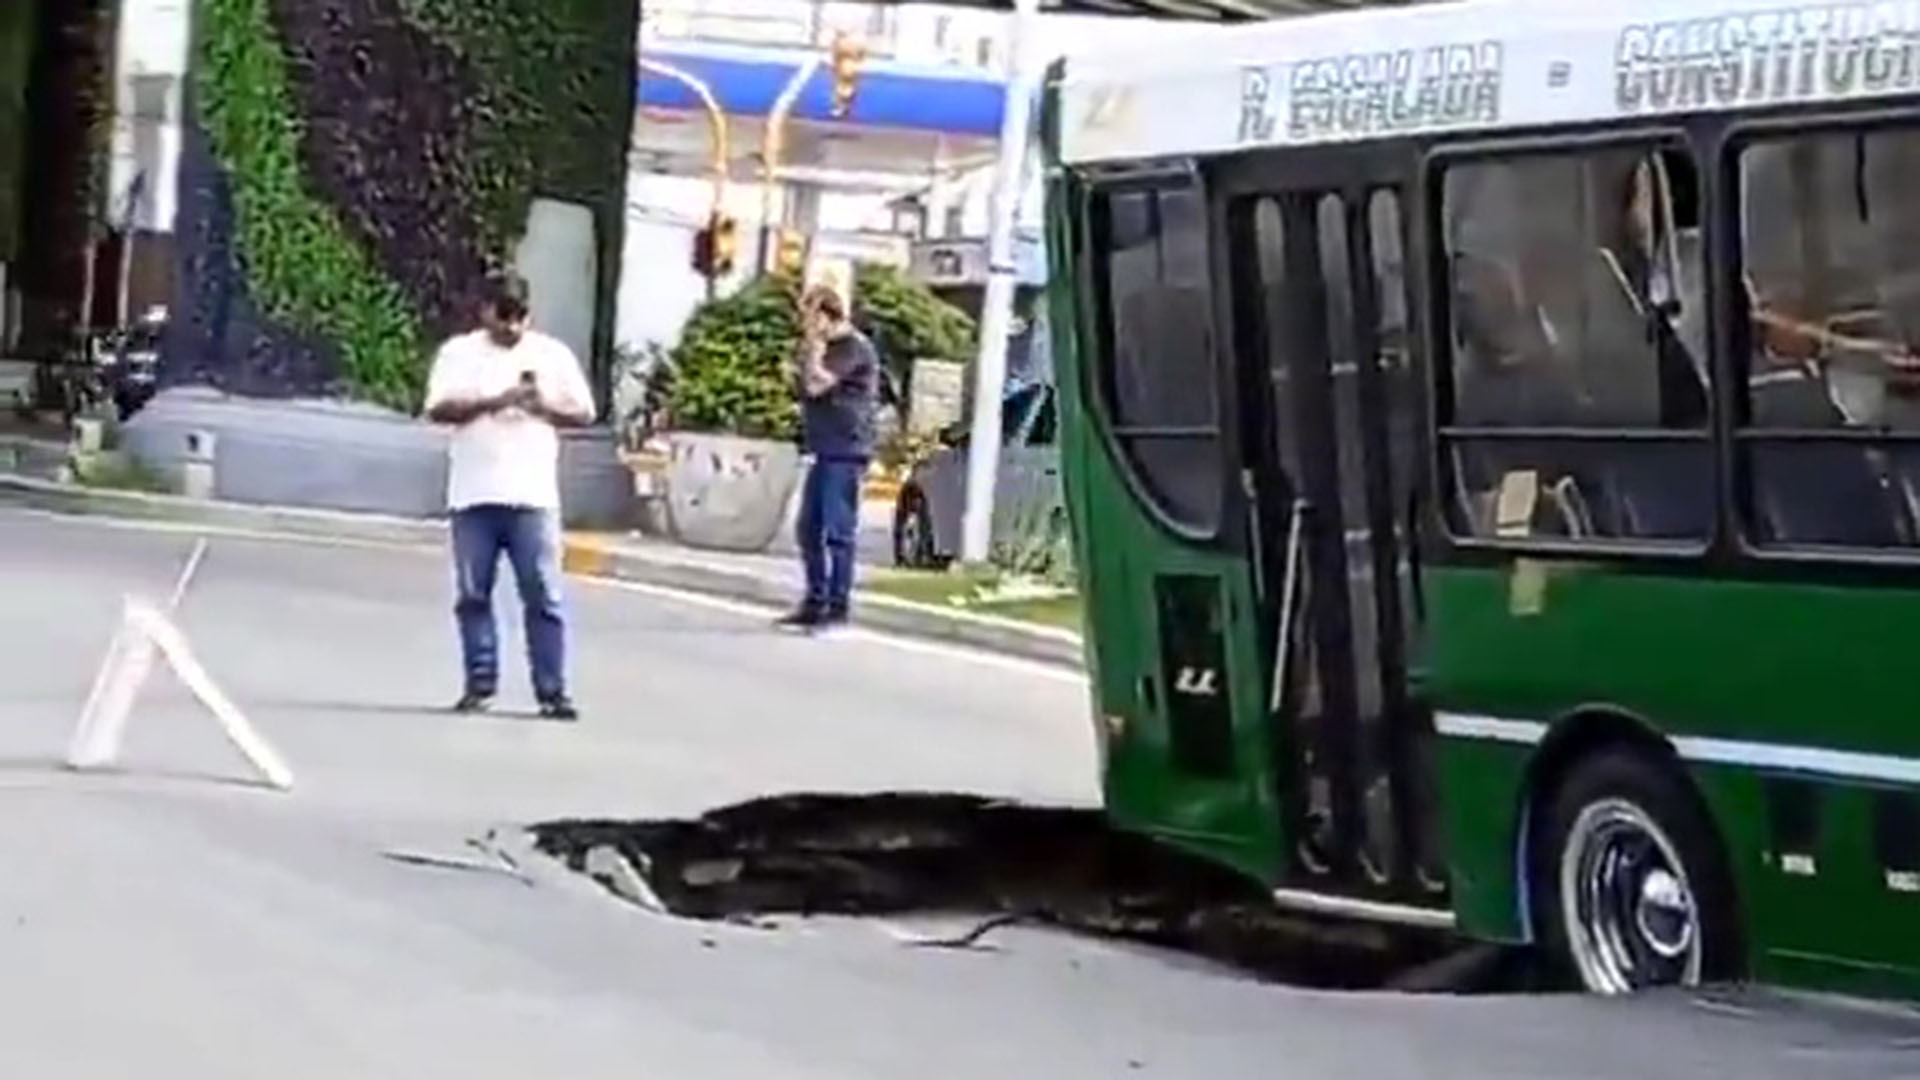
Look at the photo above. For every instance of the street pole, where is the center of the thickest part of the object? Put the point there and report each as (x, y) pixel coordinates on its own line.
(774, 148)
(722, 152)
(996, 309)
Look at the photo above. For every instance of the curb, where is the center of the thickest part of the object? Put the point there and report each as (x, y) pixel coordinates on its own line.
(581, 554)
(296, 522)
(585, 555)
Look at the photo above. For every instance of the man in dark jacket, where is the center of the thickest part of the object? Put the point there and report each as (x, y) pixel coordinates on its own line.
(838, 381)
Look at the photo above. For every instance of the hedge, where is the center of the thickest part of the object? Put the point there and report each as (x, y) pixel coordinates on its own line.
(301, 265)
(383, 154)
(16, 45)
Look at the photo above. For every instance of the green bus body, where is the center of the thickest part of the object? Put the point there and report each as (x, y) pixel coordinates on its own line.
(1776, 685)
(1771, 663)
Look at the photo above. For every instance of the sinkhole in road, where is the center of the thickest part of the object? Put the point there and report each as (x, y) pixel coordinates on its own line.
(1003, 863)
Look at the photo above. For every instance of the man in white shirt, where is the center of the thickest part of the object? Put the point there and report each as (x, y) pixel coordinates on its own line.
(505, 388)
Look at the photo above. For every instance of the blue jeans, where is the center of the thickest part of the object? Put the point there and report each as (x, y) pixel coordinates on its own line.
(531, 540)
(829, 522)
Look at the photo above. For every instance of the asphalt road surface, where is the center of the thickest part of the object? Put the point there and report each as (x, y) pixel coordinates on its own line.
(171, 920)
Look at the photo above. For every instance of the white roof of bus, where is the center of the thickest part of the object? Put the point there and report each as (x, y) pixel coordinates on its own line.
(1477, 64)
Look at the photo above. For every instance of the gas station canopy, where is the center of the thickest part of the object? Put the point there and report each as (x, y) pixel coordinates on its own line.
(1191, 10)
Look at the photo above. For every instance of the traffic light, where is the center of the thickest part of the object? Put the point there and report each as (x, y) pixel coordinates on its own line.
(726, 243)
(790, 253)
(847, 55)
(715, 246)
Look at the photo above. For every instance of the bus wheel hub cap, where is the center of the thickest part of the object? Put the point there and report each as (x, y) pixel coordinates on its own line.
(1665, 914)
(1630, 914)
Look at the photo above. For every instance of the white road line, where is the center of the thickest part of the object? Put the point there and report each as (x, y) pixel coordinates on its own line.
(746, 609)
(740, 608)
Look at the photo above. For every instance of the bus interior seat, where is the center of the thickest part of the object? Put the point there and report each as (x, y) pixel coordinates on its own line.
(1638, 490)
(1818, 493)
(1888, 166)
(1807, 267)
(1484, 473)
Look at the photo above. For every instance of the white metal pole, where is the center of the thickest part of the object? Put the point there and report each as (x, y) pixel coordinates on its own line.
(774, 150)
(996, 308)
(722, 149)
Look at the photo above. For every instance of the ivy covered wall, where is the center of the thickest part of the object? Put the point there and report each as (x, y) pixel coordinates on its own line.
(16, 43)
(352, 167)
(63, 124)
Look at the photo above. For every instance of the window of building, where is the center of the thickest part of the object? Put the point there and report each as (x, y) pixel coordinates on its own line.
(1830, 280)
(1155, 369)
(1575, 403)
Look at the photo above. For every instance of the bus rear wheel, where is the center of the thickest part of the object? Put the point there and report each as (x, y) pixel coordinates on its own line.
(1630, 883)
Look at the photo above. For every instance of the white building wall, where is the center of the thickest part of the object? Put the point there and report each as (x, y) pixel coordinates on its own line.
(659, 287)
(153, 43)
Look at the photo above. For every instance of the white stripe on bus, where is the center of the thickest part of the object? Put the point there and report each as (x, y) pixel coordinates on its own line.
(1844, 764)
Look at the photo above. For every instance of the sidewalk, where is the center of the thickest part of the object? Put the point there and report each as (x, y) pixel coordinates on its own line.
(771, 580)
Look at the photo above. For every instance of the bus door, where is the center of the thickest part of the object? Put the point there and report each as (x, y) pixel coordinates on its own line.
(1179, 672)
(1322, 319)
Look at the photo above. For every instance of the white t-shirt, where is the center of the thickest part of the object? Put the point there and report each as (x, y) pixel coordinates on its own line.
(506, 458)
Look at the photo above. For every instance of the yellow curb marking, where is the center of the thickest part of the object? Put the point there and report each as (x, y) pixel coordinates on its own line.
(583, 555)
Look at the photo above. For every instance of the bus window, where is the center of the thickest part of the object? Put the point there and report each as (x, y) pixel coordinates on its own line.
(1155, 368)
(1568, 293)
(1831, 282)
(1385, 231)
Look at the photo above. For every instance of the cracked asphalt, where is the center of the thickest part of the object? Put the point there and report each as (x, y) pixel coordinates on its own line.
(170, 919)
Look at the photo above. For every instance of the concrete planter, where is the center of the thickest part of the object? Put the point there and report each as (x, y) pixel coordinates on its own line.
(728, 493)
(326, 455)
(596, 487)
(331, 455)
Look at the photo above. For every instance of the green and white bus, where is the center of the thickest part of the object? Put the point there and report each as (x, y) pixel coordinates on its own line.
(1491, 437)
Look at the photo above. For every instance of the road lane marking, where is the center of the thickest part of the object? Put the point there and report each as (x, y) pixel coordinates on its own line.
(763, 612)
(740, 608)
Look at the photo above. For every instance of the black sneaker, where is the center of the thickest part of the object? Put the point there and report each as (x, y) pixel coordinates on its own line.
(804, 617)
(833, 618)
(473, 701)
(559, 708)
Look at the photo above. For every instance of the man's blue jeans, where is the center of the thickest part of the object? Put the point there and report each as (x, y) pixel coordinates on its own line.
(531, 540)
(829, 523)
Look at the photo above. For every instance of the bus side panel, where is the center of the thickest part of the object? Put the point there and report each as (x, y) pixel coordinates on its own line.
(1764, 689)
(1481, 785)
(1232, 817)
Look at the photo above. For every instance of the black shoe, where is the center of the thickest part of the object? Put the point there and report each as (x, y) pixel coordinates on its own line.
(473, 701)
(559, 708)
(804, 617)
(833, 618)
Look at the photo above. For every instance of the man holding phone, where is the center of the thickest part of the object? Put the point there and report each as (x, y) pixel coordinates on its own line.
(505, 388)
(837, 376)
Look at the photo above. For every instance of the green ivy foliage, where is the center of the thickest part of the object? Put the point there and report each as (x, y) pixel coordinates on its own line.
(16, 49)
(552, 119)
(728, 373)
(907, 322)
(301, 266)
(554, 116)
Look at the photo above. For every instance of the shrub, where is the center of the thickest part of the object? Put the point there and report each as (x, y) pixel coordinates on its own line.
(729, 370)
(907, 322)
